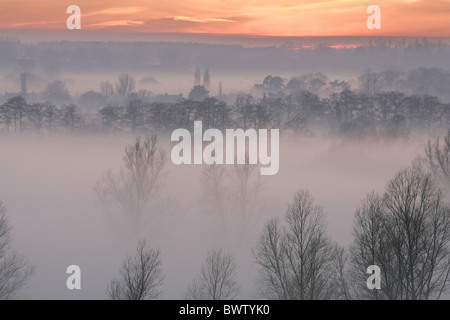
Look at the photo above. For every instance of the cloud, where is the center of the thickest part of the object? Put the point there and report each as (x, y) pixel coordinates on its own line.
(201, 20)
(36, 23)
(117, 11)
(262, 17)
(117, 23)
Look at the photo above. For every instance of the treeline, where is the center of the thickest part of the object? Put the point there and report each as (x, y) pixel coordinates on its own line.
(346, 113)
(55, 57)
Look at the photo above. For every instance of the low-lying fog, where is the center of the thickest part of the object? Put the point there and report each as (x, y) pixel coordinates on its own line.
(47, 185)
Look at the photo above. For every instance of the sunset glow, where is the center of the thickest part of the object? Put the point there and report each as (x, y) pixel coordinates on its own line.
(256, 17)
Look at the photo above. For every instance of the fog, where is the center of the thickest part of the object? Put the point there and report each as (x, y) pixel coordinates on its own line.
(350, 115)
(47, 185)
(170, 83)
(83, 64)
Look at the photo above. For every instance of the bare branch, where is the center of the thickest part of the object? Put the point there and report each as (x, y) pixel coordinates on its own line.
(140, 276)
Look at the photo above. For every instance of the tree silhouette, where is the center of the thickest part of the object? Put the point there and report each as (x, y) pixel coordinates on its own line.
(295, 259)
(56, 91)
(135, 185)
(124, 85)
(437, 159)
(216, 280)
(15, 270)
(406, 232)
(140, 276)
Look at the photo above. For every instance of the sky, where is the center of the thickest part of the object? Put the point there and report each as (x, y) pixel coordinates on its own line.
(237, 17)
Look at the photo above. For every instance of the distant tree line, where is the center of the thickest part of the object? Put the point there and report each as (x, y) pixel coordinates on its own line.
(388, 103)
(53, 57)
(346, 113)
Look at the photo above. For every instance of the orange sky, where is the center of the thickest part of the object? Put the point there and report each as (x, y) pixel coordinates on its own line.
(253, 17)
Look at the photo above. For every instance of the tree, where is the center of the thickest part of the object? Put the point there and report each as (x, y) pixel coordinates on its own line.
(245, 107)
(433, 81)
(51, 115)
(214, 113)
(125, 85)
(370, 83)
(315, 82)
(135, 185)
(6, 115)
(214, 188)
(338, 86)
(295, 85)
(110, 114)
(92, 99)
(106, 88)
(15, 270)
(437, 159)
(140, 276)
(70, 115)
(296, 258)
(216, 280)
(273, 84)
(56, 92)
(370, 246)
(14, 111)
(36, 114)
(247, 186)
(134, 114)
(393, 79)
(406, 232)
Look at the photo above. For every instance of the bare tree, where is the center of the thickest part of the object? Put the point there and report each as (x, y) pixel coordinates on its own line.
(296, 258)
(15, 270)
(216, 280)
(370, 83)
(214, 188)
(36, 114)
(371, 247)
(135, 185)
(437, 159)
(134, 114)
(314, 82)
(51, 115)
(125, 85)
(140, 276)
(406, 232)
(106, 88)
(14, 111)
(71, 115)
(392, 78)
(6, 115)
(247, 186)
(341, 279)
(110, 114)
(57, 92)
